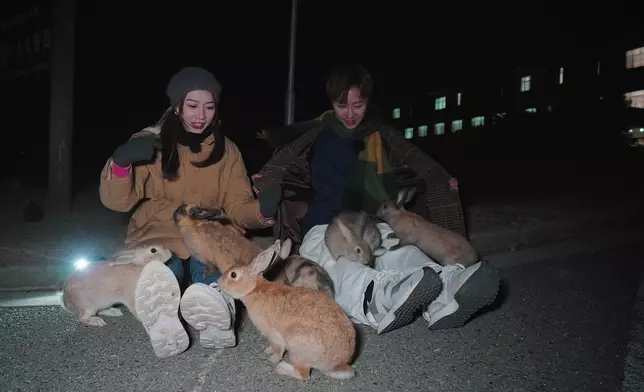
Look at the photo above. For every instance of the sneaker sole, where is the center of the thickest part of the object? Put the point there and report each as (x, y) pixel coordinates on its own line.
(156, 302)
(479, 291)
(426, 291)
(210, 316)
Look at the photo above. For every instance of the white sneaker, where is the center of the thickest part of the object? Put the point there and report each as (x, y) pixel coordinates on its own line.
(210, 312)
(397, 297)
(156, 303)
(465, 291)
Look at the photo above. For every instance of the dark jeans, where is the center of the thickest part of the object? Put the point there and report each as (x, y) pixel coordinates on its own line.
(197, 270)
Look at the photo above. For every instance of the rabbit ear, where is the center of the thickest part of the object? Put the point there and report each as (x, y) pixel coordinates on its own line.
(400, 200)
(123, 257)
(201, 213)
(410, 194)
(405, 196)
(263, 260)
(361, 222)
(285, 250)
(345, 231)
(379, 251)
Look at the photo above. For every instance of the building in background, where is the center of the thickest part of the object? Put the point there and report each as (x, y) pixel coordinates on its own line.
(579, 81)
(634, 87)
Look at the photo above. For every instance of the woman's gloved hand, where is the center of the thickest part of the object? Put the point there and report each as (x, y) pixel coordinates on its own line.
(137, 149)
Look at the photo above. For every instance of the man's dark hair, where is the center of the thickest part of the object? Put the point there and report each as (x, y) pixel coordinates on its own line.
(345, 76)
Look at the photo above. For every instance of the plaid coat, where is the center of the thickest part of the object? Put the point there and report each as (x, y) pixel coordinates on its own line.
(290, 166)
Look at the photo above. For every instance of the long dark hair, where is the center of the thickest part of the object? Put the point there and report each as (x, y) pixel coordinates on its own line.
(171, 128)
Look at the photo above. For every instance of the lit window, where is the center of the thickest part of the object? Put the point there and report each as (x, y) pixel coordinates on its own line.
(458, 99)
(636, 99)
(439, 128)
(409, 133)
(457, 125)
(531, 110)
(422, 130)
(561, 75)
(396, 113)
(478, 121)
(525, 83)
(635, 58)
(440, 103)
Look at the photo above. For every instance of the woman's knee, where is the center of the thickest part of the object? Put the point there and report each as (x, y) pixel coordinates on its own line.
(176, 266)
(199, 272)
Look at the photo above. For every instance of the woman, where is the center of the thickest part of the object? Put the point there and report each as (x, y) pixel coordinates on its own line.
(185, 158)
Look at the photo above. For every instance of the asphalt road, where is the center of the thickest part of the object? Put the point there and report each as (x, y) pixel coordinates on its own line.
(560, 325)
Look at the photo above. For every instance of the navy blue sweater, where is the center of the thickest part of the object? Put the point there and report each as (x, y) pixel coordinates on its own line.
(333, 157)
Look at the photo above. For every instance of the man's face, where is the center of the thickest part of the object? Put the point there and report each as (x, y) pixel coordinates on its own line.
(351, 113)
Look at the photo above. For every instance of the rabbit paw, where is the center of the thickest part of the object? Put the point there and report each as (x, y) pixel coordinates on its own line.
(93, 321)
(286, 369)
(111, 312)
(275, 353)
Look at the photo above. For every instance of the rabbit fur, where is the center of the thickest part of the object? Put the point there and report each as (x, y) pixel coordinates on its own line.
(96, 288)
(212, 238)
(442, 245)
(307, 323)
(355, 236)
(298, 271)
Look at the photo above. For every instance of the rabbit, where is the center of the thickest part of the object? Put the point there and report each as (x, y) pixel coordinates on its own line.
(99, 286)
(442, 245)
(213, 239)
(307, 323)
(355, 236)
(298, 271)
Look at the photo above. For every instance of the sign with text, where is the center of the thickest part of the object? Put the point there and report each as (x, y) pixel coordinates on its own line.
(25, 41)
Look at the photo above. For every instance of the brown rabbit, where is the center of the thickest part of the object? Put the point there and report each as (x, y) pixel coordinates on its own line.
(306, 323)
(213, 239)
(298, 271)
(130, 279)
(442, 245)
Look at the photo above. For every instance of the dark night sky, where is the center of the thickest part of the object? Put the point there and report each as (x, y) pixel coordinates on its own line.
(126, 53)
(406, 46)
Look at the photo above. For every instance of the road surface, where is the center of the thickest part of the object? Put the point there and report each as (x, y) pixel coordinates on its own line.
(560, 325)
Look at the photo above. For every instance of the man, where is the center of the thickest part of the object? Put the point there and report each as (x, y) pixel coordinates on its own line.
(348, 159)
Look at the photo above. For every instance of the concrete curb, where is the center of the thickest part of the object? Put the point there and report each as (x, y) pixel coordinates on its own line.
(504, 249)
(591, 242)
(504, 239)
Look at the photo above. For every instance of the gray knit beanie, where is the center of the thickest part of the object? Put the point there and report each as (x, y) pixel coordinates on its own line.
(190, 79)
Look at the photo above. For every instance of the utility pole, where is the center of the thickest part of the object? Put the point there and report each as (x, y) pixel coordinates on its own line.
(61, 103)
(290, 91)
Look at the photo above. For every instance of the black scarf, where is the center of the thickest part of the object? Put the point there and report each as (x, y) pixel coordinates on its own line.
(193, 140)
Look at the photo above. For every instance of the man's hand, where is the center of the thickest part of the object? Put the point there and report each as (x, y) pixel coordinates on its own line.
(453, 184)
(255, 177)
(269, 197)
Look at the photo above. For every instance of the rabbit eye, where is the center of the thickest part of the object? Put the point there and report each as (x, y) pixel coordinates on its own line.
(233, 274)
(153, 250)
(359, 251)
